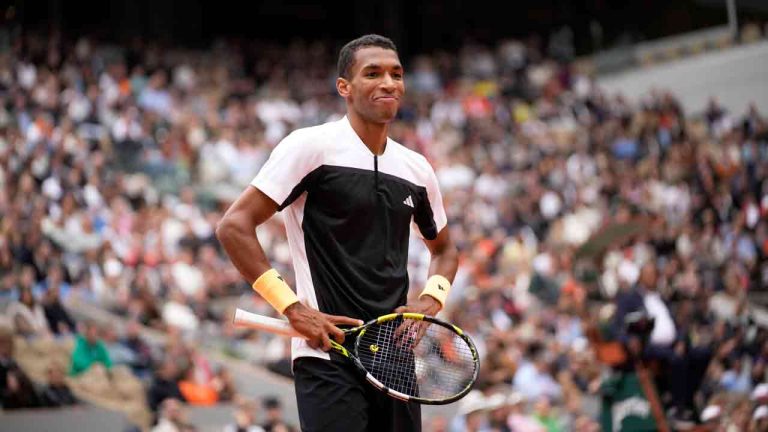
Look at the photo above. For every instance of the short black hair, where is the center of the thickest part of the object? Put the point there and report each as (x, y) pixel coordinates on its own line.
(347, 53)
(271, 402)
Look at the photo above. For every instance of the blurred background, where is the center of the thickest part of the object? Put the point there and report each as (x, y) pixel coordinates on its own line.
(596, 160)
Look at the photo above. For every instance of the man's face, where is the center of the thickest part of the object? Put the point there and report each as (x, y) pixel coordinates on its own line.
(6, 346)
(92, 334)
(55, 375)
(376, 85)
(648, 276)
(275, 413)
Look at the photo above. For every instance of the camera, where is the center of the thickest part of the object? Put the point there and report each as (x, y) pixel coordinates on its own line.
(639, 324)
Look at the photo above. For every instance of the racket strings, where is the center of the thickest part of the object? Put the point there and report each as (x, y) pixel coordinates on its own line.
(439, 365)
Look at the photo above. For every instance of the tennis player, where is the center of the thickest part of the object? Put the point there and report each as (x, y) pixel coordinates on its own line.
(350, 196)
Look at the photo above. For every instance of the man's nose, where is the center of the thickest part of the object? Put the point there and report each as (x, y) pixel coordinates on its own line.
(388, 82)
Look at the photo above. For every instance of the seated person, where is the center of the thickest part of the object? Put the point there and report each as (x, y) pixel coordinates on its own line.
(197, 391)
(275, 421)
(172, 418)
(28, 316)
(165, 385)
(89, 349)
(57, 392)
(59, 320)
(118, 353)
(141, 350)
(245, 418)
(16, 389)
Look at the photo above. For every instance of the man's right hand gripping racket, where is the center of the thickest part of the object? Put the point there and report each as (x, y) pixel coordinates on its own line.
(409, 356)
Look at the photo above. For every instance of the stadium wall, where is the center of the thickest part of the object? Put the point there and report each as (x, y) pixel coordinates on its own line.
(737, 77)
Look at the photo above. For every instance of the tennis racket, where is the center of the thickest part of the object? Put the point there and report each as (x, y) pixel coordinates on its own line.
(408, 356)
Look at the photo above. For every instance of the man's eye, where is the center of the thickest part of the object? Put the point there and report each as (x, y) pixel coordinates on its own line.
(372, 74)
(398, 76)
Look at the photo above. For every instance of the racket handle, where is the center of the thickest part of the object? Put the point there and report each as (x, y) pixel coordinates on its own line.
(276, 326)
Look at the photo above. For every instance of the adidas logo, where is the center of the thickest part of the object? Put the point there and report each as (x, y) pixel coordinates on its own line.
(409, 202)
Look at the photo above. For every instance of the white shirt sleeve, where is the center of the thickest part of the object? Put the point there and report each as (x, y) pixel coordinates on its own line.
(436, 202)
(664, 332)
(430, 213)
(290, 162)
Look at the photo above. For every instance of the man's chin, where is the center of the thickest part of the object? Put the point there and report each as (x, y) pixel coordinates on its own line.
(379, 116)
(387, 117)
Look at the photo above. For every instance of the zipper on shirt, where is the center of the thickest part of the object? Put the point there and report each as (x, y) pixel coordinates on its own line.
(376, 172)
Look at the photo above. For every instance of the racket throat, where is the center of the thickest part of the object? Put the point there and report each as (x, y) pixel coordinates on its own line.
(339, 348)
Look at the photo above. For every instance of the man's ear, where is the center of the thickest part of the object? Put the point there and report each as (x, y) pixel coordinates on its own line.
(342, 86)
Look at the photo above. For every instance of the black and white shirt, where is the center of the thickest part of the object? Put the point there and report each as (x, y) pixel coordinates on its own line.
(348, 215)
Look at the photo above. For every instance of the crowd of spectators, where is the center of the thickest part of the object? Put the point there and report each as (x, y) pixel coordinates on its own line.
(117, 161)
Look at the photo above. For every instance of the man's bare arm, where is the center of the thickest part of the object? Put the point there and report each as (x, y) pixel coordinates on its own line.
(444, 262)
(237, 233)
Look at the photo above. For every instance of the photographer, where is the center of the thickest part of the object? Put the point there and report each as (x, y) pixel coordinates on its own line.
(655, 338)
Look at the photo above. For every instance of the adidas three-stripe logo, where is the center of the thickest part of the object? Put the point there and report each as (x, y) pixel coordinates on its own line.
(409, 202)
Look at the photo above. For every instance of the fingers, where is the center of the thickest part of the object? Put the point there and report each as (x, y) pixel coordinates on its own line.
(405, 333)
(422, 330)
(402, 328)
(337, 334)
(402, 309)
(326, 343)
(313, 343)
(343, 320)
(318, 328)
(320, 341)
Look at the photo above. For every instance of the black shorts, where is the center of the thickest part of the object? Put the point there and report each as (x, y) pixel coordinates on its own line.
(334, 396)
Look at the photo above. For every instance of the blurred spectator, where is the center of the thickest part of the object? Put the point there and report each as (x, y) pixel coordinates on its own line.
(274, 420)
(59, 320)
(224, 384)
(472, 415)
(246, 413)
(142, 352)
(89, 349)
(28, 316)
(165, 384)
(57, 392)
(172, 418)
(584, 423)
(533, 378)
(118, 353)
(16, 389)
(711, 416)
(197, 391)
(736, 376)
(544, 415)
(759, 419)
(518, 419)
(436, 423)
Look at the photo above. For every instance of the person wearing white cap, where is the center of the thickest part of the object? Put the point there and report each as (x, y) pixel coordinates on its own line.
(759, 419)
(518, 420)
(498, 411)
(472, 414)
(711, 415)
(760, 393)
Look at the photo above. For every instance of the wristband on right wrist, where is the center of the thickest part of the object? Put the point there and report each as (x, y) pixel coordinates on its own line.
(271, 286)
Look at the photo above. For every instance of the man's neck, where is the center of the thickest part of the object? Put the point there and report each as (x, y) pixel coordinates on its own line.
(373, 135)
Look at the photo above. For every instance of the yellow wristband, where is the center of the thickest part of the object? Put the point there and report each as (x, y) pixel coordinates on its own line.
(438, 287)
(274, 290)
